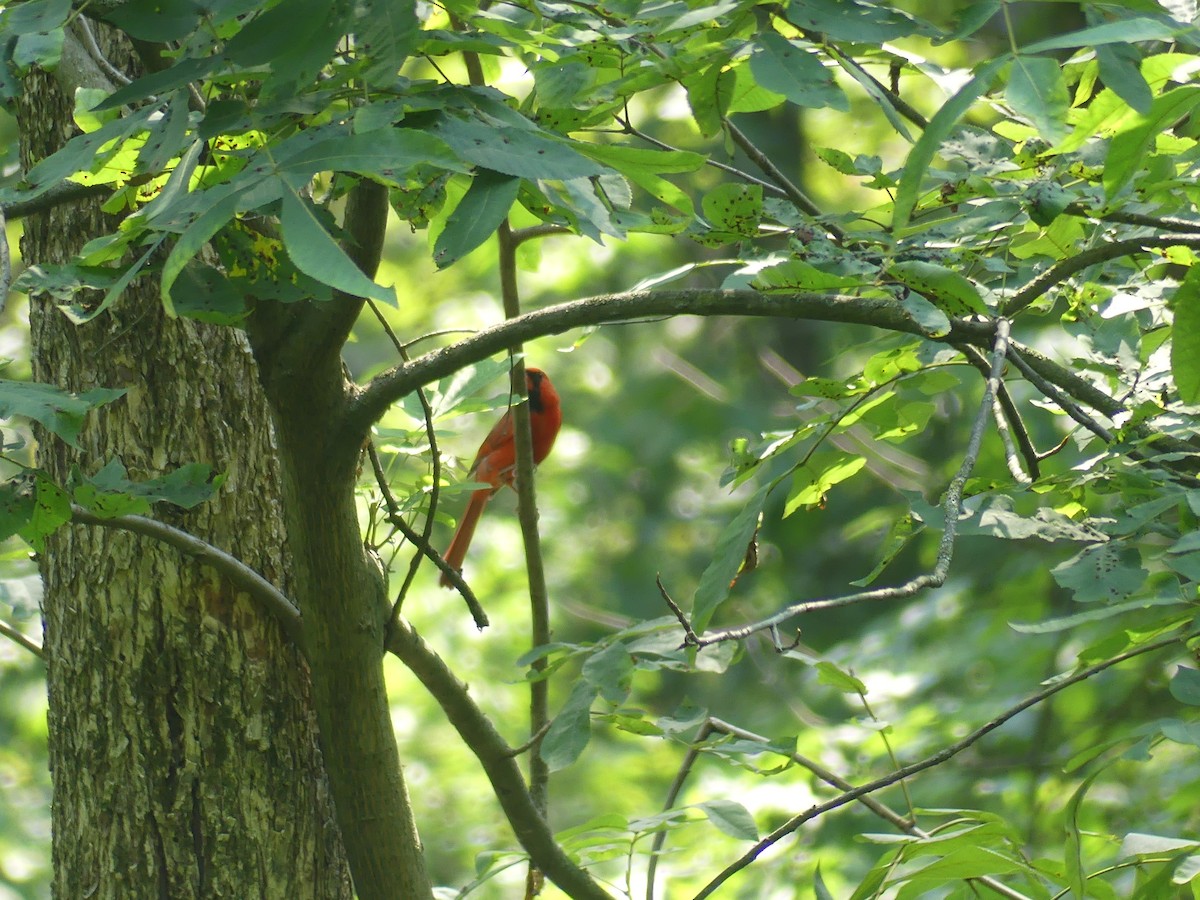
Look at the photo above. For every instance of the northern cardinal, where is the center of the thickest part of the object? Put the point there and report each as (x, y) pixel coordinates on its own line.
(496, 461)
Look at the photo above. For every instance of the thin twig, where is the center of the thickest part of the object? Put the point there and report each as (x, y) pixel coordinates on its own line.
(93, 49)
(1009, 423)
(16, 636)
(5, 262)
(799, 199)
(436, 474)
(952, 507)
(1065, 403)
(928, 762)
(421, 542)
(539, 599)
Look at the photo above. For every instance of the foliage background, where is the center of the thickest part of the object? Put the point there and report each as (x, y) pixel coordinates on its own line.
(635, 490)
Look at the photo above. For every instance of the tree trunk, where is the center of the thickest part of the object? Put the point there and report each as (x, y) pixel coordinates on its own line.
(182, 739)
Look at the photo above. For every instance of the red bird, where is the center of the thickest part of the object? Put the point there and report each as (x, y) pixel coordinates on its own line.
(495, 463)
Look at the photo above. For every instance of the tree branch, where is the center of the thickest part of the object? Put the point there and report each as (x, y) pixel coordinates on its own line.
(1008, 423)
(390, 386)
(1163, 223)
(232, 568)
(498, 761)
(930, 761)
(1065, 268)
(17, 637)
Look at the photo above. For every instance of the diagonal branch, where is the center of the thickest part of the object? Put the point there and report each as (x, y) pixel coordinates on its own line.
(498, 761)
(16, 636)
(929, 762)
(1065, 268)
(229, 566)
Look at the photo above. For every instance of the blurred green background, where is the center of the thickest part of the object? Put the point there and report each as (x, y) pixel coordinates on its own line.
(633, 491)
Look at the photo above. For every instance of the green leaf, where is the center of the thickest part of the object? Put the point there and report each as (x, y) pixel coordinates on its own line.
(1137, 844)
(79, 314)
(734, 208)
(903, 530)
(809, 489)
(51, 508)
(571, 729)
(110, 493)
(205, 293)
(1037, 90)
(81, 153)
(387, 30)
(318, 255)
(1134, 139)
(514, 151)
(157, 20)
(644, 167)
(820, 890)
(384, 152)
(165, 138)
(35, 16)
(946, 289)
(41, 48)
(179, 75)
(1185, 686)
(727, 560)
(853, 20)
(788, 69)
(223, 203)
(730, 818)
(798, 275)
(1046, 201)
(609, 671)
(1107, 611)
(1073, 852)
(277, 32)
(944, 121)
(1119, 67)
(1122, 32)
(932, 320)
(477, 216)
(1109, 572)
(16, 507)
(61, 412)
(1185, 338)
(836, 677)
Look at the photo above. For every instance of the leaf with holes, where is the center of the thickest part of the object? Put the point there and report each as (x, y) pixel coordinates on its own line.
(1110, 572)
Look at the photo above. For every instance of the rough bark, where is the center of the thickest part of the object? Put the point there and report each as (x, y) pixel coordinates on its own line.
(182, 737)
(339, 589)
